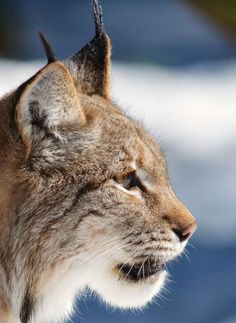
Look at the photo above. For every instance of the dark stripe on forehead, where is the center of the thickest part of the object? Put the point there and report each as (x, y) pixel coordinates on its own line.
(26, 308)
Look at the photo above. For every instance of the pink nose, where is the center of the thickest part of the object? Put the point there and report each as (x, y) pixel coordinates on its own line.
(187, 232)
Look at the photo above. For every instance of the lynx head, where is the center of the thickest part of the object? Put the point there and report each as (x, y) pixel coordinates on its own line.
(85, 185)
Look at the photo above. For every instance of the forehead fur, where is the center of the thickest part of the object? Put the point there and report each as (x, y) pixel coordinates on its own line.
(120, 130)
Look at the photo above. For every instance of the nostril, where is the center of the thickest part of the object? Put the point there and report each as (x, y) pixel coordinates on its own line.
(189, 231)
(186, 233)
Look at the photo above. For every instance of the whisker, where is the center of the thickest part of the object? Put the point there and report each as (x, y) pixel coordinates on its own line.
(191, 245)
(103, 246)
(128, 273)
(185, 253)
(127, 264)
(100, 254)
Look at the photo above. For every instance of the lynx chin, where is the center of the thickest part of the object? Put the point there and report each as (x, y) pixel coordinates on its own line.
(85, 199)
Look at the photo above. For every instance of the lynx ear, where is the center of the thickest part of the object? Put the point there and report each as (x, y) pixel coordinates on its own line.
(48, 104)
(90, 67)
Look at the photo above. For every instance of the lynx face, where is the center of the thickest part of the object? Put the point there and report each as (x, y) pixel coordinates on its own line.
(138, 224)
(85, 197)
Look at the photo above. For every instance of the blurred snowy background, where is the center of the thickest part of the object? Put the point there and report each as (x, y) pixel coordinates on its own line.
(176, 71)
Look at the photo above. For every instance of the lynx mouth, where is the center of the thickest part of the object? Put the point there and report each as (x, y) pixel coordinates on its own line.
(142, 270)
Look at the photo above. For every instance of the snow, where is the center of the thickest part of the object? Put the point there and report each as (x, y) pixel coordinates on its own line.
(192, 113)
(195, 109)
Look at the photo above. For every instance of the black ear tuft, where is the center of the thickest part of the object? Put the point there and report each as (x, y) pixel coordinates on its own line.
(98, 19)
(90, 67)
(47, 48)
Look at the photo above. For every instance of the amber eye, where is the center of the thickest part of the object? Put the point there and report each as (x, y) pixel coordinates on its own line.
(130, 181)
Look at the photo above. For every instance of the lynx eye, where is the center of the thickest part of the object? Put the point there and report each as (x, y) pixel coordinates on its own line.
(130, 181)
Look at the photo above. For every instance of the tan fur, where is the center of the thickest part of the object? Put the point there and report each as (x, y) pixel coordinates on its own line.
(67, 219)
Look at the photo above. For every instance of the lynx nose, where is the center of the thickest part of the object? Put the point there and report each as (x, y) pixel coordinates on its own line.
(186, 234)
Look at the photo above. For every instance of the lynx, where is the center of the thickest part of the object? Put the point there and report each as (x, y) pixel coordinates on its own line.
(85, 200)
